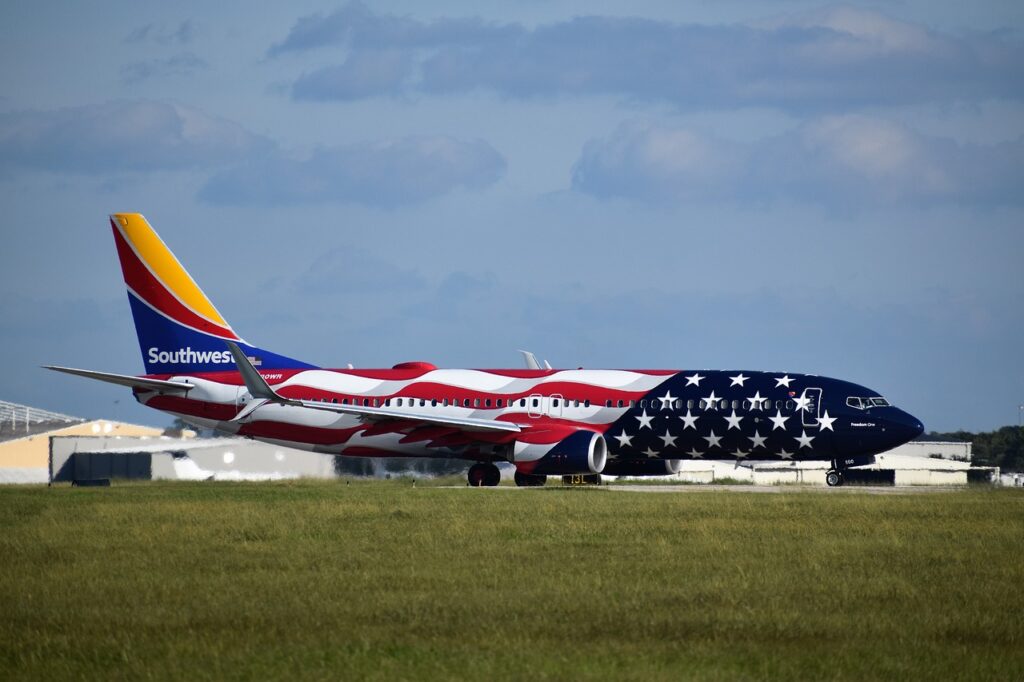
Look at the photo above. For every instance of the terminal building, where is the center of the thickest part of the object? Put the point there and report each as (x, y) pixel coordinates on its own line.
(38, 446)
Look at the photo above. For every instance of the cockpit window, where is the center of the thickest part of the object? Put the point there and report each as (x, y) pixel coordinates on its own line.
(866, 403)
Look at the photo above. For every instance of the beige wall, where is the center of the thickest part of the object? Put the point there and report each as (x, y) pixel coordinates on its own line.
(34, 451)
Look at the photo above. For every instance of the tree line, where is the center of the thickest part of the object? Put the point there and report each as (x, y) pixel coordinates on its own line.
(1003, 448)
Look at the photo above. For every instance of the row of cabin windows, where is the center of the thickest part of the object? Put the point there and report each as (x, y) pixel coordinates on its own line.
(677, 404)
(455, 402)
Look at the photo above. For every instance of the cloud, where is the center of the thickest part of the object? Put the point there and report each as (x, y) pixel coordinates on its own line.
(350, 270)
(182, 34)
(391, 172)
(122, 136)
(355, 25)
(183, 64)
(366, 73)
(830, 59)
(834, 160)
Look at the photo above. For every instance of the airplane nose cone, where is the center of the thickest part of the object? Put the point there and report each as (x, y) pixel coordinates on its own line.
(905, 427)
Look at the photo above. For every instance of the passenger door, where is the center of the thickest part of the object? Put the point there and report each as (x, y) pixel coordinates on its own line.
(813, 411)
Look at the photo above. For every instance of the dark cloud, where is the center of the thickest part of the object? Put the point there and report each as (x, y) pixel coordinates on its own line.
(844, 161)
(356, 26)
(122, 136)
(182, 34)
(350, 270)
(364, 74)
(832, 59)
(182, 64)
(384, 173)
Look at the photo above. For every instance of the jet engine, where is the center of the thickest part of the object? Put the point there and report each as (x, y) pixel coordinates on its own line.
(642, 467)
(582, 452)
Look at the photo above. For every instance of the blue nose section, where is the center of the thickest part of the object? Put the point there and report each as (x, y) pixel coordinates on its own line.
(904, 427)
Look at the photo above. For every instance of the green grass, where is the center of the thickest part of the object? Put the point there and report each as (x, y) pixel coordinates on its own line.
(386, 581)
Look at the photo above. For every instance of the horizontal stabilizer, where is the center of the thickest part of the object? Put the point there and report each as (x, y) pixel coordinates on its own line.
(126, 380)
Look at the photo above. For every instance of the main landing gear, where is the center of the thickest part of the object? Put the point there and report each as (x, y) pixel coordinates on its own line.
(529, 480)
(833, 478)
(483, 474)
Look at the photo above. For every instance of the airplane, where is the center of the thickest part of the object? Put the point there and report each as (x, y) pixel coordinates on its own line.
(544, 421)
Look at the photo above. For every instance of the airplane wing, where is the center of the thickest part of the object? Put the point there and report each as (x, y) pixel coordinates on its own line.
(160, 385)
(262, 393)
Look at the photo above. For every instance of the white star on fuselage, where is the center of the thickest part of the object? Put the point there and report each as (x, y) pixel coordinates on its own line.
(826, 422)
(666, 400)
(785, 455)
(712, 439)
(689, 421)
(804, 439)
(803, 402)
(738, 379)
(740, 454)
(734, 421)
(645, 420)
(694, 453)
(756, 401)
(778, 421)
(624, 439)
(711, 400)
(782, 381)
(694, 379)
(668, 439)
(757, 439)
(650, 453)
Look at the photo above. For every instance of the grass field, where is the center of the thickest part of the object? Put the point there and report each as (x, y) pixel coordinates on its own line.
(386, 581)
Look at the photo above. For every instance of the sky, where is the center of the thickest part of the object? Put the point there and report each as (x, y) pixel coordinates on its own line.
(835, 189)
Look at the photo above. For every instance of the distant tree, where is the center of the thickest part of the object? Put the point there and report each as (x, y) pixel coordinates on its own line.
(1003, 448)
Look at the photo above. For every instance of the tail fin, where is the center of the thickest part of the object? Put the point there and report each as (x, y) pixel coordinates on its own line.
(179, 329)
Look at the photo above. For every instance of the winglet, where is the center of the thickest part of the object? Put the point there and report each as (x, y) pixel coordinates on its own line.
(257, 385)
(531, 360)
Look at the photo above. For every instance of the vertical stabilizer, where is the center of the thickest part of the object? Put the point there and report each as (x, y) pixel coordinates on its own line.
(179, 329)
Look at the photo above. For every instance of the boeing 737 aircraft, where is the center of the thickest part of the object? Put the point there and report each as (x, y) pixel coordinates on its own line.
(544, 421)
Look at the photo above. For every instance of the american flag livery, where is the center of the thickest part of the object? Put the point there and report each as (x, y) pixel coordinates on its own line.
(544, 421)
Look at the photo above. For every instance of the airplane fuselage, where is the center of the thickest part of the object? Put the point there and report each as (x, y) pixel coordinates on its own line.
(641, 414)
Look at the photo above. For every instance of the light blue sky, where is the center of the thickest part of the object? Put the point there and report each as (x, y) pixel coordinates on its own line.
(834, 189)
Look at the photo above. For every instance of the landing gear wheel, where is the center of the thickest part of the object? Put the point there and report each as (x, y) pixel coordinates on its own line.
(833, 478)
(483, 474)
(529, 480)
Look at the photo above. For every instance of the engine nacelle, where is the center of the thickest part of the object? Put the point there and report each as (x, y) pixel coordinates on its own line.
(642, 467)
(583, 452)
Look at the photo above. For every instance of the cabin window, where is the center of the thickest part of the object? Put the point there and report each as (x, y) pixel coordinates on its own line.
(375, 402)
(689, 404)
(487, 402)
(445, 402)
(554, 402)
(465, 403)
(724, 404)
(334, 400)
(501, 402)
(433, 402)
(522, 402)
(607, 403)
(476, 402)
(423, 402)
(536, 402)
(735, 404)
(790, 405)
(576, 403)
(643, 403)
(586, 403)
